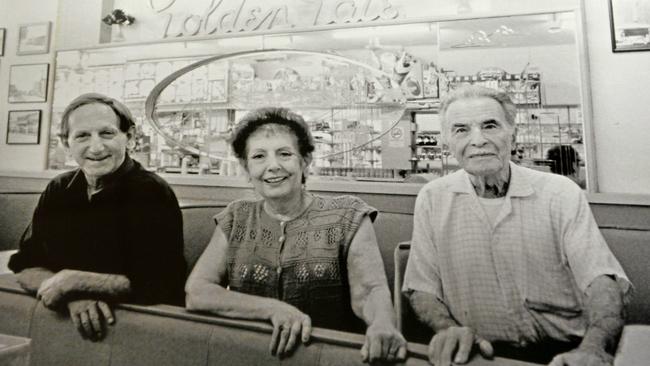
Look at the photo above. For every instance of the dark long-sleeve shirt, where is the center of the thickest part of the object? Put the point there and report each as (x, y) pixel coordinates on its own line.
(132, 227)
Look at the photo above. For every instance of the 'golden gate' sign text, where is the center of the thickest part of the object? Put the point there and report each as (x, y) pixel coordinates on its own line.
(234, 16)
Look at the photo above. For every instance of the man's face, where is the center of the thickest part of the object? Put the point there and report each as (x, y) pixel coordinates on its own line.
(479, 135)
(95, 140)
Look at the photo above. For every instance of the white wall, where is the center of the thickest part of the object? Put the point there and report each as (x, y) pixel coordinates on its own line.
(620, 87)
(12, 14)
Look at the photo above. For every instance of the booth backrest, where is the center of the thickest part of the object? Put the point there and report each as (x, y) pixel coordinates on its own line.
(16, 209)
(632, 249)
(412, 329)
(391, 228)
(198, 227)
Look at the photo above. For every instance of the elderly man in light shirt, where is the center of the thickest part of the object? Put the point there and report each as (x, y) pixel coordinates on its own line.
(507, 260)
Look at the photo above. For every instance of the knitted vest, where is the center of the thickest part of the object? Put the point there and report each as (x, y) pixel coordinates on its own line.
(302, 262)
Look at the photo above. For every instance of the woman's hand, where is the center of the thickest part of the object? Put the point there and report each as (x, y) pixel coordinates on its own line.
(54, 289)
(289, 323)
(90, 317)
(383, 342)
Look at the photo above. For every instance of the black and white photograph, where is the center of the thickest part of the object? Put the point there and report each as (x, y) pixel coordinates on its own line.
(630, 25)
(28, 83)
(24, 127)
(34, 38)
(3, 35)
(325, 182)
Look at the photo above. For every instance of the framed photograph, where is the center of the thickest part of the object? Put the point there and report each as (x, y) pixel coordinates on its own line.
(3, 33)
(24, 127)
(630, 25)
(28, 83)
(34, 38)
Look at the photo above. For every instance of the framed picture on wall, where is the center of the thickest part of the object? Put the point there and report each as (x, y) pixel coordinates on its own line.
(630, 25)
(34, 38)
(24, 127)
(3, 33)
(28, 83)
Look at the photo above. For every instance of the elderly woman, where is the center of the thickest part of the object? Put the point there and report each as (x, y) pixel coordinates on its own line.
(294, 258)
(107, 231)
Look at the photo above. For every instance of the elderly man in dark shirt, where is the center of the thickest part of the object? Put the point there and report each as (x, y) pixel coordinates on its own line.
(107, 232)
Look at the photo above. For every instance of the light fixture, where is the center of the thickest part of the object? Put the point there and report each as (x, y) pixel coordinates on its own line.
(119, 17)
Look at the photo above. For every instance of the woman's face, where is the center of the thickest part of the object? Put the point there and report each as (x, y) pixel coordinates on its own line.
(274, 164)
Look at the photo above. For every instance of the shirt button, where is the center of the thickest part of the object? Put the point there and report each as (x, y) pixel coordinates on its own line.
(279, 270)
(281, 239)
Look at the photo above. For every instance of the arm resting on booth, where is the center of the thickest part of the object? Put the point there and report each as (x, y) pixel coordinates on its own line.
(83, 284)
(371, 298)
(606, 318)
(451, 341)
(205, 292)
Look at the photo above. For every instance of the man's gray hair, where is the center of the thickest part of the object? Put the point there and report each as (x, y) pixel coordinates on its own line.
(477, 91)
(122, 112)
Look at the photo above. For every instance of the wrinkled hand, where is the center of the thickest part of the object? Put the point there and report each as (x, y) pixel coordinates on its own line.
(583, 357)
(383, 342)
(289, 323)
(90, 317)
(458, 339)
(54, 289)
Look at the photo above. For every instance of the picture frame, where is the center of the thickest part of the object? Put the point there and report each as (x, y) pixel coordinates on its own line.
(28, 83)
(3, 35)
(24, 127)
(34, 38)
(630, 25)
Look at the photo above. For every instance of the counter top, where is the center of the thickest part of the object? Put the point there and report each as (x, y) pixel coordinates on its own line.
(330, 185)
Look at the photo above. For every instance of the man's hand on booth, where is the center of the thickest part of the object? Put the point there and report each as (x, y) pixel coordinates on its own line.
(454, 345)
(90, 317)
(55, 288)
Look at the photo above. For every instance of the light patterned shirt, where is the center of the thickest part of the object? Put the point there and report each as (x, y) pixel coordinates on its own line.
(521, 280)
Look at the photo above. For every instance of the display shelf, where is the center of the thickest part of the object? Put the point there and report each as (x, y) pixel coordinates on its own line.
(524, 89)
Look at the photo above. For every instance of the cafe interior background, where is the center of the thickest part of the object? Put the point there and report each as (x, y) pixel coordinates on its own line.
(367, 75)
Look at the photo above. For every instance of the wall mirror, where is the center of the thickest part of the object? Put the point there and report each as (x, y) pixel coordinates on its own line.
(370, 93)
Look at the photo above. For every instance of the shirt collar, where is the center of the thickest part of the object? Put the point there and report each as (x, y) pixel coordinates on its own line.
(127, 165)
(519, 184)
